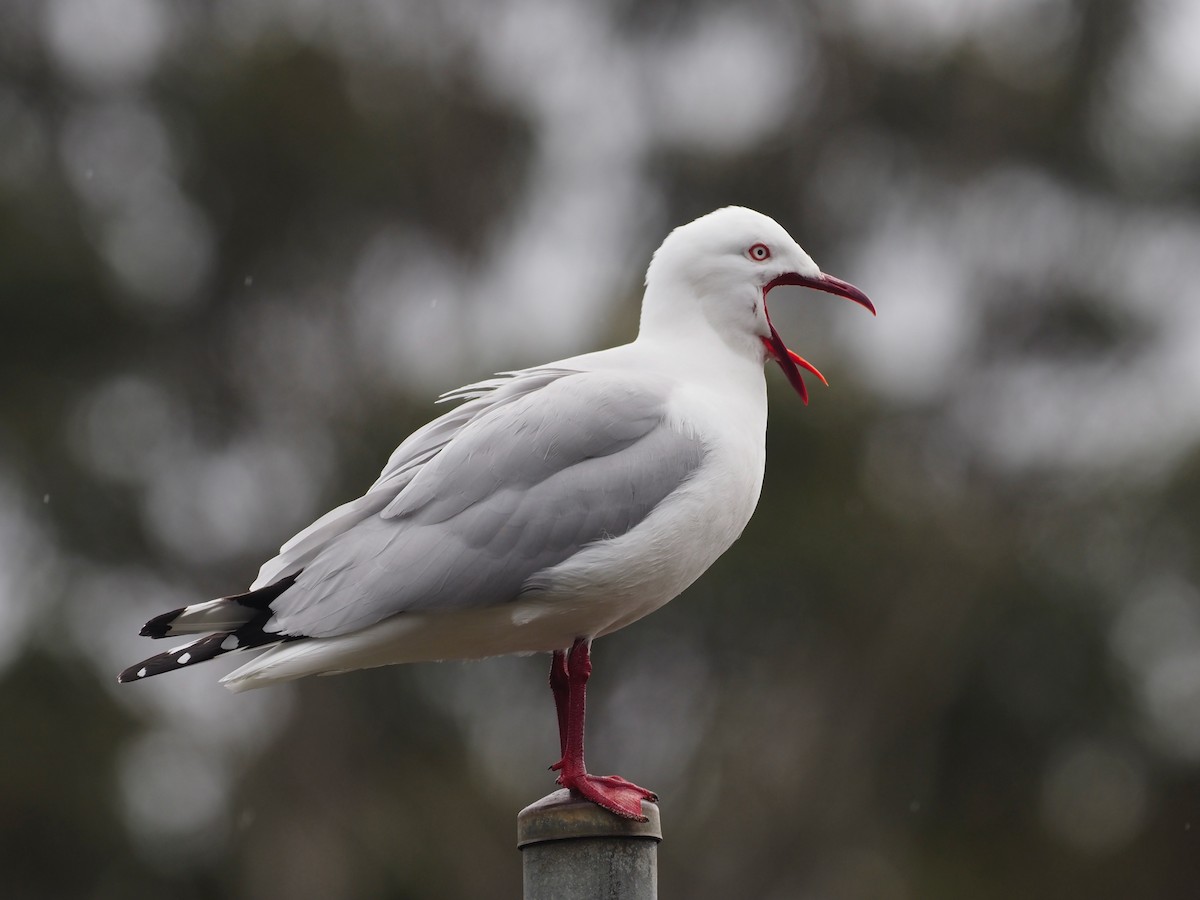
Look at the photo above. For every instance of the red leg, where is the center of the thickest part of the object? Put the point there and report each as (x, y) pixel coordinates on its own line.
(560, 685)
(608, 791)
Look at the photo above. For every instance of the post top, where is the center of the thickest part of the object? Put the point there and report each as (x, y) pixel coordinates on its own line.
(562, 816)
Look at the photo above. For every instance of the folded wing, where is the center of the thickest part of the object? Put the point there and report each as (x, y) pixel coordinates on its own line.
(406, 460)
(521, 486)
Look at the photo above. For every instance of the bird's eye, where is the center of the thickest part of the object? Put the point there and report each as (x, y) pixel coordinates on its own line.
(759, 252)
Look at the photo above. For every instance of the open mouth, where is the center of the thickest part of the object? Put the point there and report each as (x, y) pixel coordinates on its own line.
(790, 361)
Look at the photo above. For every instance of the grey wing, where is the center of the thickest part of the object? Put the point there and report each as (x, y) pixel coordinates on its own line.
(483, 397)
(407, 459)
(517, 490)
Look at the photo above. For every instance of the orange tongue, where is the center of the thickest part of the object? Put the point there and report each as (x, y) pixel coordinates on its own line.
(806, 365)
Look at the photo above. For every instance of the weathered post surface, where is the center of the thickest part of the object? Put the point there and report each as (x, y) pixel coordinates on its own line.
(572, 849)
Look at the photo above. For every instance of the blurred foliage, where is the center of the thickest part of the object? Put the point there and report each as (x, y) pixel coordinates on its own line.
(243, 244)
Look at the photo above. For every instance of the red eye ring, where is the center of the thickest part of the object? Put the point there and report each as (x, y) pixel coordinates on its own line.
(759, 252)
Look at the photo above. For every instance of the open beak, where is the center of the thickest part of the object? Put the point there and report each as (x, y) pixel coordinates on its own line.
(790, 361)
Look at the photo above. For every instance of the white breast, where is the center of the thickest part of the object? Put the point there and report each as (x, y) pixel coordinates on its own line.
(610, 584)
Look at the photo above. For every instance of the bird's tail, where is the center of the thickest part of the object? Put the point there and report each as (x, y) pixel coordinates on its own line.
(227, 625)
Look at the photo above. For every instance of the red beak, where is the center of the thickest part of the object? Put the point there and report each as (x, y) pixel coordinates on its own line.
(789, 360)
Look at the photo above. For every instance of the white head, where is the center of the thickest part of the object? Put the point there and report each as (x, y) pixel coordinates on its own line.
(722, 266)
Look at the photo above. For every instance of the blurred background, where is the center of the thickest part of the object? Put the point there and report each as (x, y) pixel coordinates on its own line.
(956, 654)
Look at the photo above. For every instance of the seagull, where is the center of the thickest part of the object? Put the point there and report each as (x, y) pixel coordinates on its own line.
(552, 506)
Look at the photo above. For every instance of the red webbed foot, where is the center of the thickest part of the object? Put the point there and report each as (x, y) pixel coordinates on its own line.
(611, 792)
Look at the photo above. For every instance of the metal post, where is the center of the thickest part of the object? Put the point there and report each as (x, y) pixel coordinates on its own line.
(572, 849)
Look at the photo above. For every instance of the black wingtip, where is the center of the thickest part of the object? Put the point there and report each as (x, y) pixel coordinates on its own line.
(155, 665)
(197, 651)
(160, 626)
(141, 670)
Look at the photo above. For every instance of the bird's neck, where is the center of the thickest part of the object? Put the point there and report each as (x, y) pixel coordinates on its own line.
(682, 321)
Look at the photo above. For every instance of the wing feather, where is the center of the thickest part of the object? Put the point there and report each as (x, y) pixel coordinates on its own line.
(406, 460)
(520, 487)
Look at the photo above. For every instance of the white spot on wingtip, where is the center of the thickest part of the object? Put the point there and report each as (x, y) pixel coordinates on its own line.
(183, 659)
(141, 673)
(230, 643)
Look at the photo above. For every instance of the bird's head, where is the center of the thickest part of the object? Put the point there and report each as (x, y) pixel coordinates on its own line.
(723, 265)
